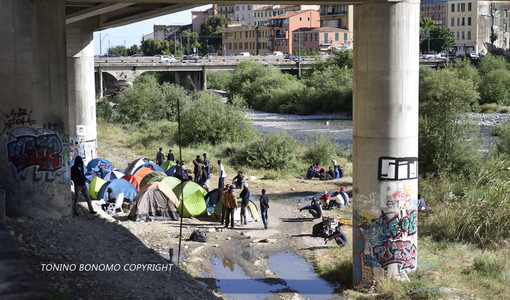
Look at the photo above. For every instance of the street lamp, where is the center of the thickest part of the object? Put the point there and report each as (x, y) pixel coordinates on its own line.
(100, 43)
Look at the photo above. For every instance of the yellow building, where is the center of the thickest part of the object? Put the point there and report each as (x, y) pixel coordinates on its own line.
(252, 39)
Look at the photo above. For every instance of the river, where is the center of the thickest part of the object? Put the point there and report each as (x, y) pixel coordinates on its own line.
(339, 127)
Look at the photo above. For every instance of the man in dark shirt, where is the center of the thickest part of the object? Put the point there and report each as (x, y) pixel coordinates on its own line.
(79, 180)
(160, 157)
(245, 198)
(170, 156)
(264, 206)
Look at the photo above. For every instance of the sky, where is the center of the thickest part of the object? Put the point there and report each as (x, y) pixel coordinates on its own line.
(131, 34)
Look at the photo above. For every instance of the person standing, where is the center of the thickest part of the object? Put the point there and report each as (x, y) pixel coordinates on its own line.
(245, 198)
(197, 170)
(170, 156)
(264, 206)
(222, 175)
(79, 180)
(160, 157)
(230, 206)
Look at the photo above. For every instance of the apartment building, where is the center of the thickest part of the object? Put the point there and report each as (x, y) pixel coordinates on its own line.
(337, 16)
(261, 15)
(435, 10)
(283, 26)
(478, 26)
(243, 13)
(225, 10)
(239, 38)
(322, 38)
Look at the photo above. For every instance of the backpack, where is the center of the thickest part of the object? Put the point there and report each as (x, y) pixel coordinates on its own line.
(198, 236)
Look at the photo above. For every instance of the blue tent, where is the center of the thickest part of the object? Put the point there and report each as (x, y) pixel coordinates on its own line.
(170, 171)
(102, 163)
(149, 165)
(114, 174)
(118, 186)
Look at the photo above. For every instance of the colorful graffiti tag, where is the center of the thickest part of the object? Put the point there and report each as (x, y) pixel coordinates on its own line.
(401, 253)
(40, 149)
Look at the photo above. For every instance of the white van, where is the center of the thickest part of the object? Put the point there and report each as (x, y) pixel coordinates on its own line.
(277, 53)
(244, 54)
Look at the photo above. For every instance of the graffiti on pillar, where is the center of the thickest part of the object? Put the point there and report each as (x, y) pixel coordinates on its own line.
(398, 195)
(397, 168)
(399, 252)
(77, 147)
(15, 118)
(37, 149)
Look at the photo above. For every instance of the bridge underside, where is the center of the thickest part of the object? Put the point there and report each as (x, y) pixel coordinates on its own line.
(47, 114)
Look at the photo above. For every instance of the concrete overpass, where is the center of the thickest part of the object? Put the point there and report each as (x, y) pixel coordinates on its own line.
(48, 113)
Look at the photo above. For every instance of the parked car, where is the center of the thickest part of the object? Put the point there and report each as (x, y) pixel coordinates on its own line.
(136, 55)
(430, 55)
(291, 57)
(277, 53)
(192, 57)
(229, 54)
(167, 58)
(244, 54)
(210, 55)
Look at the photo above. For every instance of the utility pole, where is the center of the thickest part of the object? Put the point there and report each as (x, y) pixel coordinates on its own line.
(299, 52)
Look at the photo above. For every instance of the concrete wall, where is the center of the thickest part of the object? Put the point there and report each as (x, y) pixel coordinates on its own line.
(33, 109)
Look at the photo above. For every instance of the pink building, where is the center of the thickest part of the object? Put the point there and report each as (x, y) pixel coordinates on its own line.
(320, 39)
(283, 26)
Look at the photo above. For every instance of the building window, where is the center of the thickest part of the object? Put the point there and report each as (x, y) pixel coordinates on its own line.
(326, 38)
(345, 37)
(246, 45)
(453, 7)
(337, 36)
(452, 22)
(469, 21)
(458, 6)
(458, 21)
(308, 19)
(235, 45)
(463, 7)
(469, 6)
(458, 35)
(463, 21)
(469, 35)
(300, 19)
(463, 36)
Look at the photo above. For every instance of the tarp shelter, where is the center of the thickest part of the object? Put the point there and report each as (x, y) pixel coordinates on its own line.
(152, 177)
(95, 186)
(167, 164)
(155, 201)
(171, 181)
(140, 174)
(99, 163)
(114, 174)
(150, 165)
(131, 179)
(252, 212)
(133, 166)
(193, 204)
(118, 186)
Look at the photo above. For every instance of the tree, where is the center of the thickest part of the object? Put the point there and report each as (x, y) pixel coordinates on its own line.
(434, 37)
(189, 41)
(447, 142)
(117, 50)
(151, 47)
(211, 33)
(133, 50)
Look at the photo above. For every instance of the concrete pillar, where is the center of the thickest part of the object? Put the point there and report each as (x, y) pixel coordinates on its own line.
(81, 91)
(34, 155)
(385, 140)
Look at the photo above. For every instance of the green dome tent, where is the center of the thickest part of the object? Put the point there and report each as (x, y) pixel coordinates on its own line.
(192, 201)
(152, 177)
(171, 181)
(167, 164)
(95, 185)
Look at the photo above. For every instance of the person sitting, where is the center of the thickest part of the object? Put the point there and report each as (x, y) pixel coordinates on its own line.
(336, 172)
(311, 173)
(314, 209)
(344, 196)
(110, 200)
(422, 206)
(238, 180)
(325, 199)
(331, 173)
(340, 172)
(338, 235)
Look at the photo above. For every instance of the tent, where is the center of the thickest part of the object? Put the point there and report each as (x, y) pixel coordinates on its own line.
(212, 197)
(131, 179)
(118, 186)
(155, 201)
(194, 203)
(150, 165)
(97, 163)
(152, 177)
(113, 174)
(171, 181)
(140, 174)
(167, 164)
(95, 185)
(171, 171)
(133, 166)
(252, 212)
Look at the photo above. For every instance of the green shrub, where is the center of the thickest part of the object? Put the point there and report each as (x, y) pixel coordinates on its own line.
(503, 143)
(208, 119)
(321, 151)
(218, 80)
(275, 151)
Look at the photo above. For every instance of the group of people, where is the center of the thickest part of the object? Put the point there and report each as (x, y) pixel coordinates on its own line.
(334, 172)
(229, 205)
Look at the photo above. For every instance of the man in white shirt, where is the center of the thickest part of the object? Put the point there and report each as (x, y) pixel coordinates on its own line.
(221, 180)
